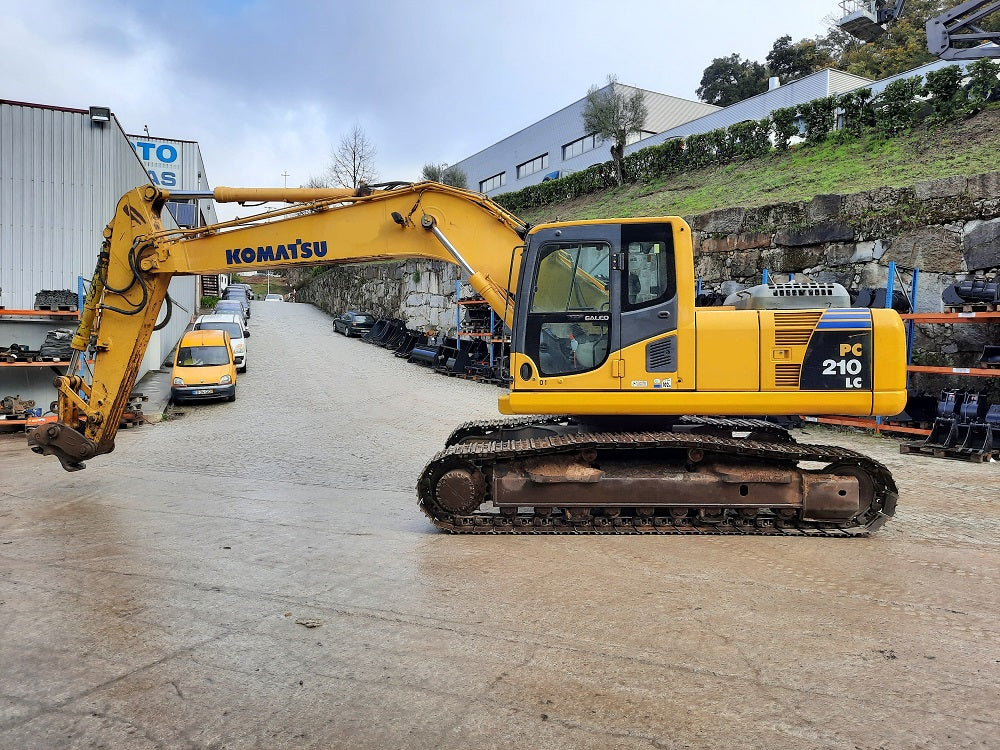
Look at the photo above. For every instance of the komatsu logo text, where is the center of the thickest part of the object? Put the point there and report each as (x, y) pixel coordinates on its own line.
(297, 250)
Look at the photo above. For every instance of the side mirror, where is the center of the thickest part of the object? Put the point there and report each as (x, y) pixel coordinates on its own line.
(246, 334)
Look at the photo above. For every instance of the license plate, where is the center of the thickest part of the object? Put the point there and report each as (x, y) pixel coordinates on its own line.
(201, 391)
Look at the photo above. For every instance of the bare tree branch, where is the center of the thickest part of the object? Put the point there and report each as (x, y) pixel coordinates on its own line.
(353, 161)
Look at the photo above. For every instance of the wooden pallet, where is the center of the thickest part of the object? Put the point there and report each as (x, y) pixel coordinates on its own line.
(57, 308)
(973, 307)
(957, 454)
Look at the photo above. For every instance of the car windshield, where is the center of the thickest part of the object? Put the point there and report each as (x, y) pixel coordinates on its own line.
(229, 305)
(202, 356)
(235, 330)
(362, 318)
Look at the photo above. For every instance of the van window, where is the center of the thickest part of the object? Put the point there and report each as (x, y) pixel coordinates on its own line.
(202, 356)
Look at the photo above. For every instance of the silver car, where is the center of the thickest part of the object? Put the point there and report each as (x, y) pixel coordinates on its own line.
(231, 323)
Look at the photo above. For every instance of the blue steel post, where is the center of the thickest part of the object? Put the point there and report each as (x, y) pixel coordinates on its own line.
(910, 324)
(764, 276)
(890, 287)
(697, 287)
(79, 294)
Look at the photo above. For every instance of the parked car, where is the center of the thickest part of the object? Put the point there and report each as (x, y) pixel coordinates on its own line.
(353, 323)
(204, 368)
(246, 288)
(240, 307)
(232, 324)
(235, 293)
(273, 298)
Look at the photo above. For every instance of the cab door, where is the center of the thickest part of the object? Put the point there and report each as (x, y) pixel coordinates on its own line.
(570, 331)
(653, 349)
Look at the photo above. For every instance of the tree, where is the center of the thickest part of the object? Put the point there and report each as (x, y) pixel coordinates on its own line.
(790, 62)
(731, 79)
(903, 46)
(613, 114)
(353, 161)
(444, 174)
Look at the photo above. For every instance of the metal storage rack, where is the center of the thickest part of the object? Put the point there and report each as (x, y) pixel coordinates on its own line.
(497, 346)
(36, 323)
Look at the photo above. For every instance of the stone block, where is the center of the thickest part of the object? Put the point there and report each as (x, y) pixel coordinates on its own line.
(933, 249)
(945, 187)
(875, 201)
(744, 265)
(868, 251)
(824, 207)
(984, 186)
(981, 245)
(818, 234)
(742, 241)
(721, 221)
(839, 253)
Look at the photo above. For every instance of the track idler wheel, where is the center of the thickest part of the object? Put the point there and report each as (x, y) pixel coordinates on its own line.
(460, 491)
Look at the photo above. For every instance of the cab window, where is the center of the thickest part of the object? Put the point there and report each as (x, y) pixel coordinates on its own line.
(649, 265)
(572, 280)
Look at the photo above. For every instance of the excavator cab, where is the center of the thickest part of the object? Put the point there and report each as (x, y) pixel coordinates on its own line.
(597, 303)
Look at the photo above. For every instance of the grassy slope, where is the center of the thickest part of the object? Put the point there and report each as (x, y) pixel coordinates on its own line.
(966, 147)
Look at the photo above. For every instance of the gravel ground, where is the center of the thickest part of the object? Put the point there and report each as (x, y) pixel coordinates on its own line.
(258, 574)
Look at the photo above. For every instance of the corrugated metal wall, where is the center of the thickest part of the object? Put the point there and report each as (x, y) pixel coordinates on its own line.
(61, 176)
(823, 83)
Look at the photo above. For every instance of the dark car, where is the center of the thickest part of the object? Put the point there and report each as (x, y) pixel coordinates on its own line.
(353, 323)
(240, 306)
(245, 288)
(239, 296)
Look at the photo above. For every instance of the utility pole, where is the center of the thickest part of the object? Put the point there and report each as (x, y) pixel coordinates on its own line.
(285, 175)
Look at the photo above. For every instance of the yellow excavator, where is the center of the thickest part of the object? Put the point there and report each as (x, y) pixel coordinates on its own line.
(640, 413)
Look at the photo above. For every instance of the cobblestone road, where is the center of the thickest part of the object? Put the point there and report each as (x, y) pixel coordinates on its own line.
(163, 597)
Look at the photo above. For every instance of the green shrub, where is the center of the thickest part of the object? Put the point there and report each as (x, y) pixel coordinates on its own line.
(784, 126)
(749, 139)
(858, 113)
(944, 87)
(209, 301)
(818, 116)
(896, 107)
(984, 85)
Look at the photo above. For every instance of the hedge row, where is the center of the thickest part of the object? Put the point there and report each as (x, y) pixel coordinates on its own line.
(945, 94)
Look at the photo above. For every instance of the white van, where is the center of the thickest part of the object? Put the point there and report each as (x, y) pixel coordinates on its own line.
(231, 323)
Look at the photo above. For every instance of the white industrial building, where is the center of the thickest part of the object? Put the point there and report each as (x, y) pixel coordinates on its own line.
(62, 171)
(558, 144)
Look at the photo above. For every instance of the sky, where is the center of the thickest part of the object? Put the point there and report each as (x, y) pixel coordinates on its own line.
(269, 88)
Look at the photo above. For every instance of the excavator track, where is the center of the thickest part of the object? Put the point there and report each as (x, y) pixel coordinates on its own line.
(458, 486)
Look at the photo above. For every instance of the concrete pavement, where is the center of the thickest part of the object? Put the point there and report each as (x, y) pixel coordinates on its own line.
(258, 574)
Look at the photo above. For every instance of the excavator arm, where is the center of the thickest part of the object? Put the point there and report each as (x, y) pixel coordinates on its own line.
(139, 257)
(956, 34)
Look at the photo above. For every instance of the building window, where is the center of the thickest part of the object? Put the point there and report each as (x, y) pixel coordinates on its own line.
(636, 137)
(535, 165)
(581, 145)
(492, 183)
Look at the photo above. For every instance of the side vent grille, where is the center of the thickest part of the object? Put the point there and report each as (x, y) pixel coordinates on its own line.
(660, 356)
(794, 328)
(787, 376)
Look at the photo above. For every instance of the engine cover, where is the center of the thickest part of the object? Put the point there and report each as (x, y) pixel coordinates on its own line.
(791, 296)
